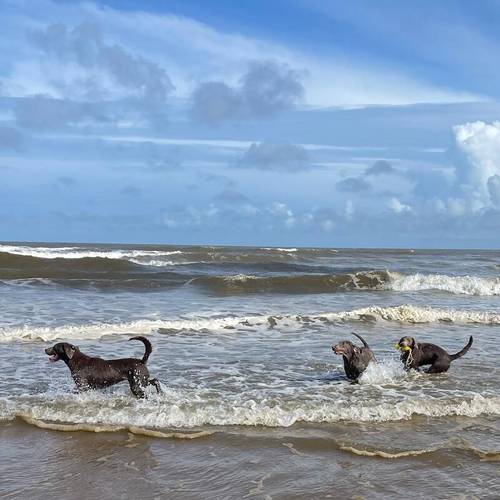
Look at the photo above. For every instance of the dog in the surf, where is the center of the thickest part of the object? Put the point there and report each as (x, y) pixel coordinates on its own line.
(416, 354)
(356, 359)
(97, 373)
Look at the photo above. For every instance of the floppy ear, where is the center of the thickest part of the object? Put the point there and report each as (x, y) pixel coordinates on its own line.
(69, 350)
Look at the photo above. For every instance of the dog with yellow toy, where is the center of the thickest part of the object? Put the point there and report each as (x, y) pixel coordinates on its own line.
(416, 354)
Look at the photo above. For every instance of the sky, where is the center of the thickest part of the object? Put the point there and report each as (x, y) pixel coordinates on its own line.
(286, 123)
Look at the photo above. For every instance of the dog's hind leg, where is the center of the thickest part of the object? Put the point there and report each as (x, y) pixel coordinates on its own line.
(439, 366)
(137, 385)
(154, 382)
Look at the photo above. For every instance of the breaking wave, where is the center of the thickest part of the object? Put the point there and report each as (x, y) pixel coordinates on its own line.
(119, 270)
(404, 314)
(170, 255)
(181, 409)
(304, 283)
(468, 285)
(361, 280)
(223, 271)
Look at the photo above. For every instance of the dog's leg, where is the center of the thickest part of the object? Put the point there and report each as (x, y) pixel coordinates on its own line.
(439, 366)
(154, 382)
(137, 385)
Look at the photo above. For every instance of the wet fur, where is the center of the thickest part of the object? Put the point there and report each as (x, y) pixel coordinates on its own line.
(423, 354)
(96, 373)
(356, 359)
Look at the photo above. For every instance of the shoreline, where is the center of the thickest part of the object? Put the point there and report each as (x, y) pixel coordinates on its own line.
(125, 465)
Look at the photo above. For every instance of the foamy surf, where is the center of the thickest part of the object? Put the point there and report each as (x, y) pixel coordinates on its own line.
(404, 314)
(453, 444)
(139, 431)
(179, 409)
(144, 257)
(462, 285)
(385, 371)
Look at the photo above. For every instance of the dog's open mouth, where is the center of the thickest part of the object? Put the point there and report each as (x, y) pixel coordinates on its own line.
(53, 358)
(338, 350)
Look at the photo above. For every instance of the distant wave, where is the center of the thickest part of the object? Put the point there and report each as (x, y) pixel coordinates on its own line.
(170, 256)
(404, 314)
(302, 283)
(82, 272)
(82, 252)
(219, 271)
(361, 280)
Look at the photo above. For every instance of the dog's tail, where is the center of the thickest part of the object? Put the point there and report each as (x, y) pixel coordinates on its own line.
(463, 351)
(362, 339)
(147, 345)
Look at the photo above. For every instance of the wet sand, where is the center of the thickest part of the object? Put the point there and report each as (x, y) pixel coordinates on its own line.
(255, 463)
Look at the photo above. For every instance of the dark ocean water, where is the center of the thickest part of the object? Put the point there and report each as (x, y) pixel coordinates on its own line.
(242, 345)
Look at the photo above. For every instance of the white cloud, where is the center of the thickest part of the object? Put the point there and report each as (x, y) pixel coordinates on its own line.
(192, 52)
(479, 166)
(397, 207)
(282, 210)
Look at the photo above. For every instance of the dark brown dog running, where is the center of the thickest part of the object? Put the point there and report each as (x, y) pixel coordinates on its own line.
(356, 358)
(97, 373)
(414, 355)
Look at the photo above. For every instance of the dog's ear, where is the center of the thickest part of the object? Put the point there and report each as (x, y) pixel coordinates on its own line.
(69, 350)
(356, 349)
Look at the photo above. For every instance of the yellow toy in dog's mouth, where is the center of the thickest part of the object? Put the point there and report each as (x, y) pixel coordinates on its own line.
(402, 347)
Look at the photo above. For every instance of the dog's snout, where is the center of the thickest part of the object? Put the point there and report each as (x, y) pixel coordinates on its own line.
(49, 351)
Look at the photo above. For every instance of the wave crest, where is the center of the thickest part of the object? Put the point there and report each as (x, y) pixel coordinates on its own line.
(303, 283)
(463, 285)
(404, 314)
(178, 409)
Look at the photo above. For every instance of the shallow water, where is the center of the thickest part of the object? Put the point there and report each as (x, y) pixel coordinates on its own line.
(242, 345)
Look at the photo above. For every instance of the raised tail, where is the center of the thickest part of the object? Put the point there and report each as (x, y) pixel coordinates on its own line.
(362, 339)
(463, 351)
(147, 345)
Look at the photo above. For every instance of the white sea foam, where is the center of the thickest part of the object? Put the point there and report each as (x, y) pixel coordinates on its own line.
(183, 409)
(145, 257)
(383, 372)
(467, 285)
(276, 249)
(405, 314)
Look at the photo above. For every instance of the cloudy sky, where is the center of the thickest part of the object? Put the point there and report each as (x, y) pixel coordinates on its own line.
(292, 122)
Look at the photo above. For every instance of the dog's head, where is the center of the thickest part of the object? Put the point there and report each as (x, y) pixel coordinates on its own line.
(346, 348)
(405, 344)
(61, 350)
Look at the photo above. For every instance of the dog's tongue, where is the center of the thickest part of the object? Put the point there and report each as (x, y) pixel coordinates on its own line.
(53, 358)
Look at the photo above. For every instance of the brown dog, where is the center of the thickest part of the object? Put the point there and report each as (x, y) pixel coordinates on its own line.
(414, 355)
(356, 358)
(97, 373)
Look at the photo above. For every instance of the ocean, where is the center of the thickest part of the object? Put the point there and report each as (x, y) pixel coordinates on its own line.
(255, 404)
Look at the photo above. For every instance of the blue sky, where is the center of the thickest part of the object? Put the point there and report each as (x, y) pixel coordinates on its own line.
(298, 122)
